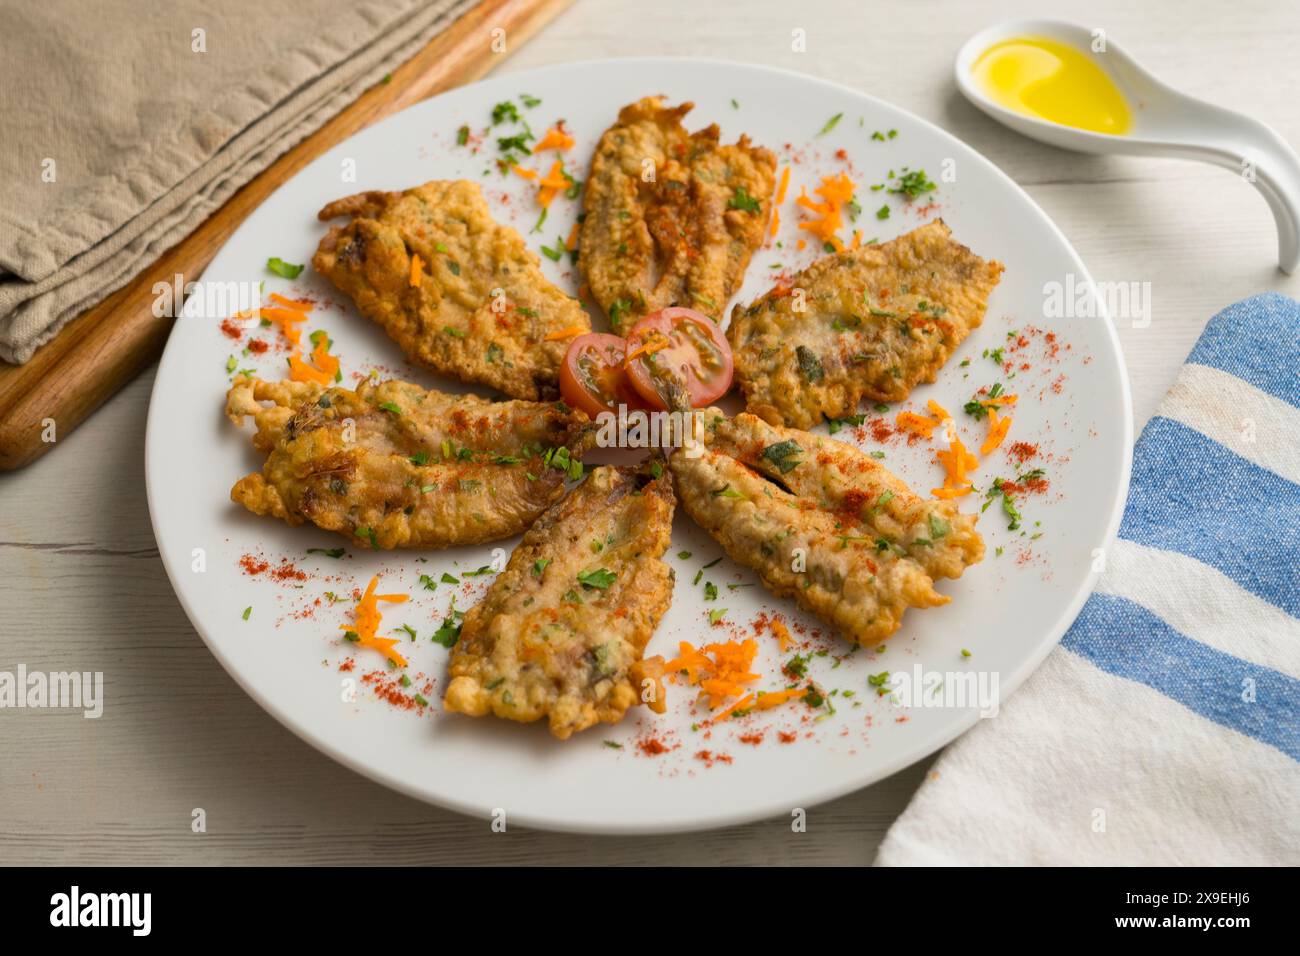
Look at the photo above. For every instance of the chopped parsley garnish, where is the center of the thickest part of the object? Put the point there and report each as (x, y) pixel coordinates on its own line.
(833, 425)
(831, 124)
(683, 555)
(554, 254)
(783, 455)
(448, 579)
(420, 458)
(503, 112)
(741, 199)
(726, 491)
(328, 552)
(529, 101)
(247, 611)
(600, 578)
(616, 310)
(717, 614)
(539, 566)
(562, 460)
(710, 591)
(883, 212)
(1008, 504)
(613, 745)
(369, 534)
(391, 407)
(285, 270)
(409, 630)
(938, 526)
(809, 364)
(449, 633)
(462, 136)
(428, 583)
(912, 183)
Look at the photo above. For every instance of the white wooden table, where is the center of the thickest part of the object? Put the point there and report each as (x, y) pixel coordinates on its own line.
(82, 587)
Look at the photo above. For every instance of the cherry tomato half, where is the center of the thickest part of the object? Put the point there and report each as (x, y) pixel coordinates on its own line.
(679, 348)
(592, 378)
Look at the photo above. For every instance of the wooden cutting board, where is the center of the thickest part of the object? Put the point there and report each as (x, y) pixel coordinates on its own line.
(104, 348)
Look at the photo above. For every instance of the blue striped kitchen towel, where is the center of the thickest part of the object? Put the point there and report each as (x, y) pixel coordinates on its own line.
(1166, 727)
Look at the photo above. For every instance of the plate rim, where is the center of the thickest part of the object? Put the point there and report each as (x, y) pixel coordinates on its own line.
(758, 809)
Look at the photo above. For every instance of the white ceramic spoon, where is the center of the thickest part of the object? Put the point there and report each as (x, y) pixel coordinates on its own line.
(1165, 123)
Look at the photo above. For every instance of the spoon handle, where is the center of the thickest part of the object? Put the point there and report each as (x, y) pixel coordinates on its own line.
(1262, 157)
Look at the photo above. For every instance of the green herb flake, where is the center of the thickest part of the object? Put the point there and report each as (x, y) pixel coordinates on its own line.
(809, 364)
(600, 578)
(741, 199)
(831, 124)
(328, 552)
(285, 270)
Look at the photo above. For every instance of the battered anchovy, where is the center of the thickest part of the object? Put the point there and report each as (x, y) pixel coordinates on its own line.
(671, 218)
(873, 322)
(561, 631)
(476, 306)
(824, 523)
(393, 465)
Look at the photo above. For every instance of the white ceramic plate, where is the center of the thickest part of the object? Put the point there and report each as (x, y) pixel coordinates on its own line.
(1007, 611)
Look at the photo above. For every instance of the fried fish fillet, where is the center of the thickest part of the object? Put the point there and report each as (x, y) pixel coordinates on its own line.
(561, 631)
(671, 218)
(393, 465)
(873, 322)
(824, 523)
(476, 306)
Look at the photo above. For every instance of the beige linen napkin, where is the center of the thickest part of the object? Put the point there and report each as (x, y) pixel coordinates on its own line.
(124, 124)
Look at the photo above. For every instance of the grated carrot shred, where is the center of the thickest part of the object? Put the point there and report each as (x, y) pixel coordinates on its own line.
(366, 620)
(783, 185)
(417, 270)
(738, 705)
(524, 173)
(937, 410)
(956, 461)
(782, 635)
(322, 370)
(998, 428)
(287, 319)
(565, 333)
(776, 222)
(777, 698)
(718, 670)
(653, 343)
(552, 185)
(572, 242)
(302, 305)
(917, 424)
(557, 137)
(835, 192)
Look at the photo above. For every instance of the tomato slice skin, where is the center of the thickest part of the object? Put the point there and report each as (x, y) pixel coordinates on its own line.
(683, 345)
(592, 377)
